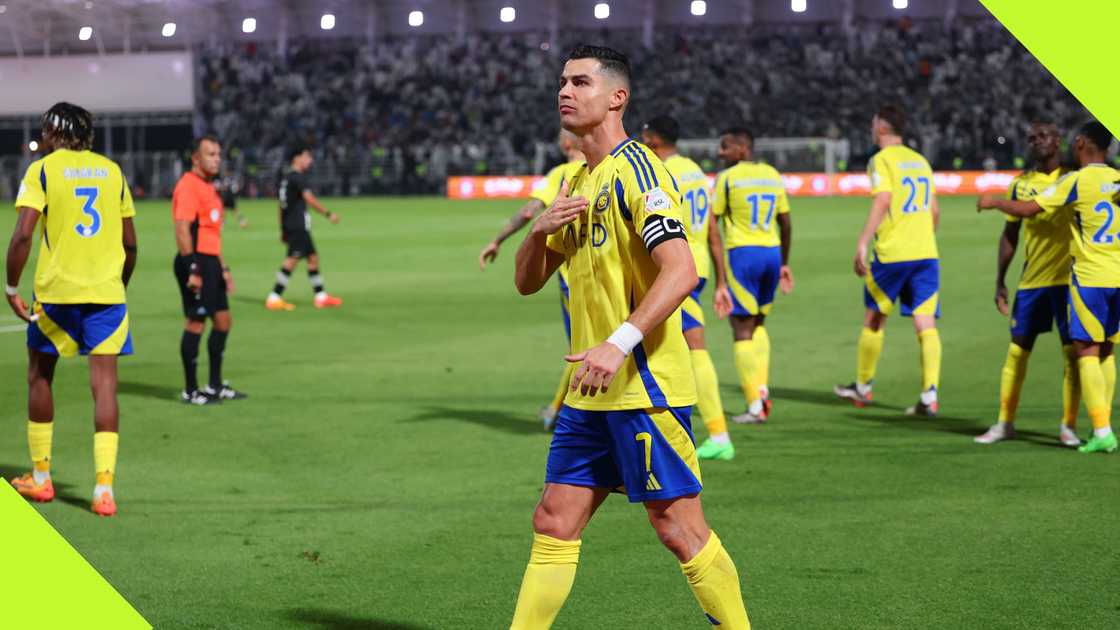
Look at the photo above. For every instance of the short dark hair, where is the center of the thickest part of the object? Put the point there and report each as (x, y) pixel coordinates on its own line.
(196, 144)
(69, 125)
(894, 116)
(296, 148)
(665, 126)
(611, 60)
(1096, 133)
(740, 131)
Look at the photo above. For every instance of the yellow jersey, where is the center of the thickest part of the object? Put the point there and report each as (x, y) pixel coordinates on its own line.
(83, 199)
(692, 184)
(1046, 258)
(549, 189)
(906, 233)
(1087, 197)
(610, 270)
(748, 198)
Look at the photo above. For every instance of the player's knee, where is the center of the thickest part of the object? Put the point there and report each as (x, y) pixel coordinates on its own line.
(874, 320)
(195, 326)
(671, 533)
(552, 522)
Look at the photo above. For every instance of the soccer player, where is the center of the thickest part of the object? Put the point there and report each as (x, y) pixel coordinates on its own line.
(904, 267)
(86, 257)
(539, 199)
(1043, 294)
(203, 277)
(295, 230)
(751, 201)
(1088, 196)
(660, 135)
(625, 421)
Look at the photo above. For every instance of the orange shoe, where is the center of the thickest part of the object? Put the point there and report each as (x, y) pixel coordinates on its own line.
(327, 301)
(278, 304)
(103, 505)
(26, 486)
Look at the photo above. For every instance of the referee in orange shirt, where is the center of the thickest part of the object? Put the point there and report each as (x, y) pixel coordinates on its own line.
(203, 277)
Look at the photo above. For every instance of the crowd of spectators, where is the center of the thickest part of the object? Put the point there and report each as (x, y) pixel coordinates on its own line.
(401, 115)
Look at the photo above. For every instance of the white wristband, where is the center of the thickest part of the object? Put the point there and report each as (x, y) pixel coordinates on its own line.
(10, 290)
(625, 337)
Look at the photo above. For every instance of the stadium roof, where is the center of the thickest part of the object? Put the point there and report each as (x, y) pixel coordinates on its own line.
(53, 27)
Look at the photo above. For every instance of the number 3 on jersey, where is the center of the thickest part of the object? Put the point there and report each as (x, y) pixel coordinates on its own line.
(90, 195)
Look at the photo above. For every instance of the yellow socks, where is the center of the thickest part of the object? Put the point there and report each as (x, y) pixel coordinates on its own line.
(1093, 391)
(1071, 388)
(707, 392)
(547, 582)
(870, 347)
(1010, 382)
(104, 458)
(761, 340)
(930, 342)
(1108, 370)
(715, 583)
(746, 363)
(39, 436)
(562, 388)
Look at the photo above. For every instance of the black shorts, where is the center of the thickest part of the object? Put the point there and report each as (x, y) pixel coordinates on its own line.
(299, 243)
(212, 297)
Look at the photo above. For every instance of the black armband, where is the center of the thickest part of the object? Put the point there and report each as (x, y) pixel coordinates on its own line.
(659, 229)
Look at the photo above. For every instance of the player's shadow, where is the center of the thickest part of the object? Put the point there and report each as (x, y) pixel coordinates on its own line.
(62, 491)
(820, 397)
(148, 390)
(333, 620)
(518, 424)
(943, 424)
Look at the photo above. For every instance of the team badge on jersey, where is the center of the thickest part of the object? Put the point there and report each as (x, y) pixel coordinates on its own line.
(603, 199)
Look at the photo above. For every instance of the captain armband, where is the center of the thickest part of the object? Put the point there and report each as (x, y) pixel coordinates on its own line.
(659, 229)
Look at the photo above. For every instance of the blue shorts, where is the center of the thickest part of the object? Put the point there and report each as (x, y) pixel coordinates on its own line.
(692, 311)
(1094, 313)
(564, 308)
(650, 452)
(70, 329)
(753, 279)
(914, 283)
(1037, 310)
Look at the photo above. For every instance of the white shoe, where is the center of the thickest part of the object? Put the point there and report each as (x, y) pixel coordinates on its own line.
(749, 418)
(1067, 437)
(999, 432)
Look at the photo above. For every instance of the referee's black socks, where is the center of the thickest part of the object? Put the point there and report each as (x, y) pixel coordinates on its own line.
(188, 350)
(216, 345)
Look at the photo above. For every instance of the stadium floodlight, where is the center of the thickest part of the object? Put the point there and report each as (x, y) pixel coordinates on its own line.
(3, 8)
(602, 11)
(699, 7)
(31, 146)
(900, 4)
(248, 25)
(168, 30)
(327, 21)
(85, 33)
(507, 14)
(416, 18)
(798, 6)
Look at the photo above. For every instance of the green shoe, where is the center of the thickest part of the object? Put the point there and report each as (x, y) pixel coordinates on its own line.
(1106, 444)
(712, 450)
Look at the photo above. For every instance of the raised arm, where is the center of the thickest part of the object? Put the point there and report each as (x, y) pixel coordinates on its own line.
(1008, 243)
(515, 223)
(19, 248)
(880, 205)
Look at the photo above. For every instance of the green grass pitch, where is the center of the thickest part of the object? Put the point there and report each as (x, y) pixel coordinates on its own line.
(383, 472)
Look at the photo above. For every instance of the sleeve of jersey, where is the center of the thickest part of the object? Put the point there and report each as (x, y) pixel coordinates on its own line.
(656, 209)
(183, 205)
(880, 175)
(1061, 193)
(31, 191)
(720, 195)
(1012, 195)
(549, 187)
